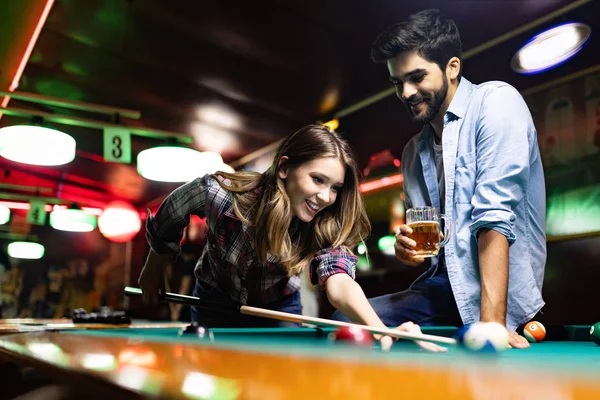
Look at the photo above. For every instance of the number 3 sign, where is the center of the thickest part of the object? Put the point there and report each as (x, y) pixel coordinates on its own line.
(117, 145)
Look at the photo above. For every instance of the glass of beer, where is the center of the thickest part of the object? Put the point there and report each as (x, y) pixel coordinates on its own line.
(425, 224)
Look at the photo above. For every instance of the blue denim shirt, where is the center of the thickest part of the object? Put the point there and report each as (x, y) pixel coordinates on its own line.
(494, 179)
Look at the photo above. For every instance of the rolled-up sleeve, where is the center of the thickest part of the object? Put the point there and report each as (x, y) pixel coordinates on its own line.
(164, 231)
(331, 261)
(503, 147)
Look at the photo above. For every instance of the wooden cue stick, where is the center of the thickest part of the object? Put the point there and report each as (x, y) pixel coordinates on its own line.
(282, 316)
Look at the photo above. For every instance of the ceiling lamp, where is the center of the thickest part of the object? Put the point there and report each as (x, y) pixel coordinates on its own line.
(36, 145)
(550, 48)
(4, 214)
(386, 244)
(361, 249)
(332, 124)
(72, 220)
(225, 168)
(176, 164)
(26, 250)
(119, 222)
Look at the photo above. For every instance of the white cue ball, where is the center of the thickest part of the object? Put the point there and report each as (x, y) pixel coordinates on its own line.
(498, 335)
(486, 337)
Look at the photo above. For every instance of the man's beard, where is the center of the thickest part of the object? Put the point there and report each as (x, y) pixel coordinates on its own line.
(433, 103)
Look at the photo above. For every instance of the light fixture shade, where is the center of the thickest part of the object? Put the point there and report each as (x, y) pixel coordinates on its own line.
(36, 145)
(4, 214)
(226, 168)
(361, 249)
(119, 222)
(72, 220)
(386, 244)
(176, 164)
(26, 250)
(550, 48)
(332, 124)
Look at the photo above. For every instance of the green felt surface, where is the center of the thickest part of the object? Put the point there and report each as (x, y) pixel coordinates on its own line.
(577, 356)
(555, 333)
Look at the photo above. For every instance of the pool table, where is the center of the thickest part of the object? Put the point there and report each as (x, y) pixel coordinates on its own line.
(154, 360)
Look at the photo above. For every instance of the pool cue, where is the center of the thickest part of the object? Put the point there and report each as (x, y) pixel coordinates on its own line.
(283, 316)
(182, 299)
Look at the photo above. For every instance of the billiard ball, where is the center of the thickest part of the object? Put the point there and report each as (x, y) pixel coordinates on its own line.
(595, 333)
(352, 335)
(483, 337)
(195, 329)
(498, 335)
(534, 332)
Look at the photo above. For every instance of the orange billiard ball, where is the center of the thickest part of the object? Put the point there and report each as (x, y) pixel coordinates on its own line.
(534, 332)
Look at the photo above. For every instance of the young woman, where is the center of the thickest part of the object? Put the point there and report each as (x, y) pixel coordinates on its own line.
(264, 229)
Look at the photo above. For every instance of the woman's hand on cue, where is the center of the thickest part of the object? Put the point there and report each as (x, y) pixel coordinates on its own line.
(386, 343)
(152, 280)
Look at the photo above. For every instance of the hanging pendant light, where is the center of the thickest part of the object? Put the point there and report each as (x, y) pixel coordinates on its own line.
(4, 214)
(36, 145)
(176, 163)
(72, 220)
(386, 244)
(226, 168)
(26, 250)
(551, 48)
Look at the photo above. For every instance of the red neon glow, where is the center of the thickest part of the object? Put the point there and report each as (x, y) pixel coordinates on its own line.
(381, 183)
(119, 222)
(28, 50)
(16, 205)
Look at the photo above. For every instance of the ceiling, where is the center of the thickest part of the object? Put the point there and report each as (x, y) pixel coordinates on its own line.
(235, 76)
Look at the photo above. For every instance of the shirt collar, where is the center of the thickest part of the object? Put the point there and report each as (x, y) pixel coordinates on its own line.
(459, 102)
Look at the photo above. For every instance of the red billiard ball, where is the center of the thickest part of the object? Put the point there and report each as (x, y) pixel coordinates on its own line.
(352, 335)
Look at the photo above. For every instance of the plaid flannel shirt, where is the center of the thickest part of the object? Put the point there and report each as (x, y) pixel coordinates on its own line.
(229, 262)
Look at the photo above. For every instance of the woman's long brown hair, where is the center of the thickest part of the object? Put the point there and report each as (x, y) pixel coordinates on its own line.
(261, 201)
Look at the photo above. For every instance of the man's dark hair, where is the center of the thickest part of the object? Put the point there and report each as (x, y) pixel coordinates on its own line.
(434, 36)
